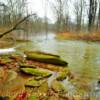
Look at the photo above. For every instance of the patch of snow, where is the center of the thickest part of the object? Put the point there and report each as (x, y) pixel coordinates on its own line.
(7, 50)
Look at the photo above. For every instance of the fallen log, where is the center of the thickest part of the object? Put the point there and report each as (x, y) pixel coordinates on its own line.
(45, 58)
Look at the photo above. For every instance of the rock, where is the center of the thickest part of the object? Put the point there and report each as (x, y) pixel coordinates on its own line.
(78, 97)
(34, 83)
(58, 87)
(26, 66)
(17, 57)
(43, 88)
(44, 53)
(7, 75)
(11, 75)
(32, 98)
(40, 92)
(45, 58)
(4, 61)
(63, 74)
(10, 84)
(36, 72)
(4, 98)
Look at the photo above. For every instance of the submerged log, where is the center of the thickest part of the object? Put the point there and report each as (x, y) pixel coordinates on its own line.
(45, 58)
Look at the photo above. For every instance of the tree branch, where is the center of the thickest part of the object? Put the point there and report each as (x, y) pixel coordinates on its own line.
(15, 26)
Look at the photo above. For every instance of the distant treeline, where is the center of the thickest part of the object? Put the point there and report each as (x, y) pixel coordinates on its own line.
(85, 16)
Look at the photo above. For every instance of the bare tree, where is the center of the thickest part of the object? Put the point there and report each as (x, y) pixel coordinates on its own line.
(79, 8)
(15, 26)
(98, 17)
(92, 14)
(3, 13)
(16, 9)
(60, 10)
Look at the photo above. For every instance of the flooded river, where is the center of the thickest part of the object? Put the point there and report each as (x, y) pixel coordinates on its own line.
(83, 57)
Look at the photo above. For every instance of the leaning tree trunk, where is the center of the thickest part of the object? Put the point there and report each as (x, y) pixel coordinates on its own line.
(15, 26)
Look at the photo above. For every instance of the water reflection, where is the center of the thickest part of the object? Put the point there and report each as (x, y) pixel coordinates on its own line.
(83, 59)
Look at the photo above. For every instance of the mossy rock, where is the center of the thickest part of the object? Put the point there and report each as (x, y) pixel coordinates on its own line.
(11, 84)
(34, 83)
(58, 87)
(22, 65)
(4, 61)
(32, 98)
(43, 88)
(4, 98)
(45, 58)
(44, 53)
(63, 74)
(36, 72)
(40, 91)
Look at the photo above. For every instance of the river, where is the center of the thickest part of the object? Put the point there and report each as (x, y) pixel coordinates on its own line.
(83, 57)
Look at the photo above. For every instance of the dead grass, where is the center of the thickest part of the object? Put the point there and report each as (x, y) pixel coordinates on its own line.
(3, 29)
(6, 44)
(80, 36)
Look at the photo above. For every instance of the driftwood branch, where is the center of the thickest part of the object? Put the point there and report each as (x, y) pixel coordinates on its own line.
(15, 26)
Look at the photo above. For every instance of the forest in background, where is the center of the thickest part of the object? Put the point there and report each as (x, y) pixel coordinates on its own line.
(85, 14)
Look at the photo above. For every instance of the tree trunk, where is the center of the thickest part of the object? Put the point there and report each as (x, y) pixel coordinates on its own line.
(92, 14)
(98, 20)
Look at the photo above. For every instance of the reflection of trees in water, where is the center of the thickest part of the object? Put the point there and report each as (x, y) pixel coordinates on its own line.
(87, 72)
(88, 64)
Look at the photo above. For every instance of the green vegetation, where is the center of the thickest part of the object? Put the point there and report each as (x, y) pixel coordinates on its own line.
(63, 74)
(34, 83)
(46, 58)
(57, 87)
(36, 72)
(35, 75)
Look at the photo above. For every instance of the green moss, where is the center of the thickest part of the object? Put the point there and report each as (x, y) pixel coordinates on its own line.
(36, 72)
(26, 65)
(34, 83)
(32, 98)
(45, 58)
(63, 74)
(57, 86)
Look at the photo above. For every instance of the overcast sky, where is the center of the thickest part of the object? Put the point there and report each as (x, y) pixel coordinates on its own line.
(38, 6)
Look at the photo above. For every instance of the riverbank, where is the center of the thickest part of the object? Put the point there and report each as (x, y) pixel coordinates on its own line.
(25, 78)
(22, 78)
(81, 36)
(82, 60)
